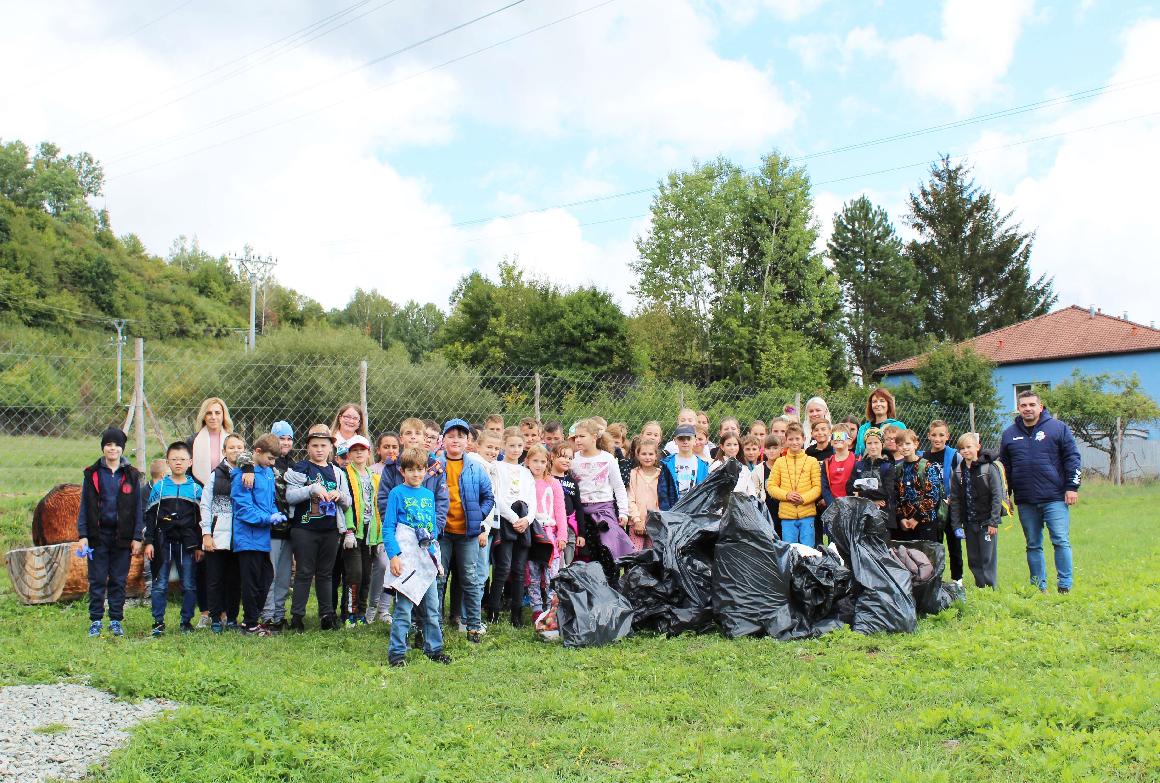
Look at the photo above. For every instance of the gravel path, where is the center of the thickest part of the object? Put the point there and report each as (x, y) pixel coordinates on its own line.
(79, 726)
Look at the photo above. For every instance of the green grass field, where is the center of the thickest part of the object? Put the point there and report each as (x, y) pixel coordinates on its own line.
(1012, 686)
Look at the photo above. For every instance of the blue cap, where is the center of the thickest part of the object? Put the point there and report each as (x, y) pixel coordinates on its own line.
(282, 429)
(456, 424)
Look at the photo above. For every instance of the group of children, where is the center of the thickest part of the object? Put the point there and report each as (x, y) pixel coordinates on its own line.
(492, 512)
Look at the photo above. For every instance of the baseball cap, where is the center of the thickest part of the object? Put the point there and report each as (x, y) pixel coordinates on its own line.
(358, 441)
(456, 424)
(685, 431)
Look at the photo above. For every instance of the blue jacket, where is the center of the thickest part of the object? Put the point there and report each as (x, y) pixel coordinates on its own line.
(1042, 462)
(252, 510)
(669, 463)
(475, 493)
(865, 426)
(435, 480)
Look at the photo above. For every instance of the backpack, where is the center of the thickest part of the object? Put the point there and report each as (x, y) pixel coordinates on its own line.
(1008, 506)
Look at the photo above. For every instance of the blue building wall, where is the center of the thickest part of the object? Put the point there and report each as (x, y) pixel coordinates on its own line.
(1146, 365)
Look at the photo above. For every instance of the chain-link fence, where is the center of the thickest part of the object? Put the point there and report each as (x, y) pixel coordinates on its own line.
(67, 388)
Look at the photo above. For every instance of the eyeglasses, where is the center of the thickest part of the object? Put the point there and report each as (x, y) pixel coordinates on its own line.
(350, 417)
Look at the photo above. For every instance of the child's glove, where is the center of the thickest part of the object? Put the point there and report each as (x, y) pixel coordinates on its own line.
(327, 508)
(959, 534)
(85, 551)
(380, 549)
(277, 518)
(348, 541)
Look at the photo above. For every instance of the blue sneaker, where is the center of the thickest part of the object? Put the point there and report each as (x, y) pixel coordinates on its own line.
(115, 627)
(216, 626)
(95, 628)
(158, 629)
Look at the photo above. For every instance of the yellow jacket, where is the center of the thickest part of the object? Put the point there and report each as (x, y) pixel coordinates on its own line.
(796, 472)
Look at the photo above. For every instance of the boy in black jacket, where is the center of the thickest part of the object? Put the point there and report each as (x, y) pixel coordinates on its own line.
(173, 535)
(111, 518)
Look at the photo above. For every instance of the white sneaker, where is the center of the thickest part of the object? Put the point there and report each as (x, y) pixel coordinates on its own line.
(203, 622)
(463, 627)
(959, 582)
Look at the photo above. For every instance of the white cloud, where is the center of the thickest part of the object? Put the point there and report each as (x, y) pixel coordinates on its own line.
(744, 11)
(967, 64)
(1093, 208)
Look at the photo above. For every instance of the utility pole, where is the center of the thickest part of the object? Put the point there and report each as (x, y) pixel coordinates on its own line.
(119, 325)
(257, 269)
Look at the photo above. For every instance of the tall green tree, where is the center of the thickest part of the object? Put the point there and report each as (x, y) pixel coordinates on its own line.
(730, 262)
(371, 312)
(973, 261)
(416, 327)
(881, 310)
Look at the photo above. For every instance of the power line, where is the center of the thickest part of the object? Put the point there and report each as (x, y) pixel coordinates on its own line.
(299, 91)
(305, 35)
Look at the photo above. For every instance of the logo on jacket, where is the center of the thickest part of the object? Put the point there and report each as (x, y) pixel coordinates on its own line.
(1040, 435)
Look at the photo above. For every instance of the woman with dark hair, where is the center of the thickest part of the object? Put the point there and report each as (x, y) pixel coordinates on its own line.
(879, 414)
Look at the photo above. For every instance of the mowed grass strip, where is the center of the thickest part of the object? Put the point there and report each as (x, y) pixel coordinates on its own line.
(1013, 686)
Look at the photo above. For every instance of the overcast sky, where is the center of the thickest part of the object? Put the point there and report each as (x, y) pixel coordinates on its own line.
(329, 135)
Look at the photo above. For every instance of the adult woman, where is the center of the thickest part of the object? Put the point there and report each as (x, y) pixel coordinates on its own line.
(816, 410)
(207, 446)
(879, 413)
(348, 423)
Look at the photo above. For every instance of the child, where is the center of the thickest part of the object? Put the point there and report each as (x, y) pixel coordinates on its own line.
(413, 505)
(431, 436)
(111, 515)
(494, 425)
(976, 499)
(686, 467)
(553, 434)
(947, 458)
(837, 469)
(158, 469)
(751, 448)
(281, 552)
(872, 473)
(223, 580)
(547, 552)
(530, 429)
(172, 535)
(778, 427)
(652, 431)
(490, 446)
(762, 474)
(562, 472)
(463, 536)
(796, 483)
(364, 530)
(254, 512)
(516, 511)
(650, 488)
(685, 417)
(618, 431)
(320, 494)
(822, 432)
(890, 442)
(914, 493)
(603, 499)
(386, 450)
(702, 446)
(758, 430)
(730, 448)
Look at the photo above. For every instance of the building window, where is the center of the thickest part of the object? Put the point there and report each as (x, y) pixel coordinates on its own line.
(1022, 387)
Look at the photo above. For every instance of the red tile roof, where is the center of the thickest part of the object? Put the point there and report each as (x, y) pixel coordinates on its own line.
(1071, 332)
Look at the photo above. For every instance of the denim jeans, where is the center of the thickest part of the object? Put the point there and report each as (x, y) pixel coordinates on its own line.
(466, 551)
(798, 531)
(164, 553)
(1056, 518)
(282, 558)
(428, 615)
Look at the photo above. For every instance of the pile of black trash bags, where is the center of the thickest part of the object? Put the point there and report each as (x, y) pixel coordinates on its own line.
(716, 562)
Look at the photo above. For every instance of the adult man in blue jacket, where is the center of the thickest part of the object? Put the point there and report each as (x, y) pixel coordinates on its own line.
(1043, 469)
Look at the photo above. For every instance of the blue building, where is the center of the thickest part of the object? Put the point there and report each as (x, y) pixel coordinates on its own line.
(1044, 351)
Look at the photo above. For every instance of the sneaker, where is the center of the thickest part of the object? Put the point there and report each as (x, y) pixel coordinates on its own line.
(351, 622)
(296, 625)
(462, 626)
(95, 628)
(216, 626)
(256, 630)
(326, 622)
(187, 627)
(959, 582)
(475, 637)
(157, 630)
(1064, 590)
(439, 657)
(398, 663)
(536, 615)
(202, 622)
(362, 620)
(232, 625)
(115, 627)
(276, 628)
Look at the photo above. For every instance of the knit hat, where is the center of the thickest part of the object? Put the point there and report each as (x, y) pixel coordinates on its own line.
(282, 429)
(114, 435)
(873, 432)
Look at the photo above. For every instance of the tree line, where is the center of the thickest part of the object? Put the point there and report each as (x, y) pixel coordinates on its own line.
(732, 284)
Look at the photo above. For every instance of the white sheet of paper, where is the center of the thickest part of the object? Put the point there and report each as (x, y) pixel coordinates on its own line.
(418, 567)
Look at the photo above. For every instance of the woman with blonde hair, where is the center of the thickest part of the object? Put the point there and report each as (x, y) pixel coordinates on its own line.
(207, 445)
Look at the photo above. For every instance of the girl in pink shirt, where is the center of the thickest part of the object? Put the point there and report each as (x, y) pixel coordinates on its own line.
(550, 534)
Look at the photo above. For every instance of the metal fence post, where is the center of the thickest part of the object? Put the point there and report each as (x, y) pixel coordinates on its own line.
(1119, 466)
(139, 400)
(797, 406)
(971, 414)
(362, 390)
(536, 402)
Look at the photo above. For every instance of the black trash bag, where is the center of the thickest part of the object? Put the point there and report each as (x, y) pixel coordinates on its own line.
(590, 612)
(670, 585)
(753, 578)
(933, 595)
(883, 601)
(819, 584)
